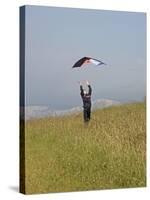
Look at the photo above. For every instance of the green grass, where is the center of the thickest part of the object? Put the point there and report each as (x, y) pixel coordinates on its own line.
(62, 154)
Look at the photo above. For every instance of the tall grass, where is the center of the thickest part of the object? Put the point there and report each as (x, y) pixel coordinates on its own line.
(63, 154)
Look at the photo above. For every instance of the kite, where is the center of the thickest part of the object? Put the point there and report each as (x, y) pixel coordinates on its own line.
(87, 60)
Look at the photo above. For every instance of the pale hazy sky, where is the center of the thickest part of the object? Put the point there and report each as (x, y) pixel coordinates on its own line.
(57, 37)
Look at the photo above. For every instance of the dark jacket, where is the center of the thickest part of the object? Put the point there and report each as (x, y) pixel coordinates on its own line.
(86, 97)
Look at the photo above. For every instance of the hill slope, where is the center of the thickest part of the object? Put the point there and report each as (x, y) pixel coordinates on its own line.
(62, 154)
(36, 112)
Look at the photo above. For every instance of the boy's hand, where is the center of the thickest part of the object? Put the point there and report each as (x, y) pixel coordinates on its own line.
(87, 83)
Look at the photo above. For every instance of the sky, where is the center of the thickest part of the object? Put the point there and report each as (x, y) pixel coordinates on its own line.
(57, 37)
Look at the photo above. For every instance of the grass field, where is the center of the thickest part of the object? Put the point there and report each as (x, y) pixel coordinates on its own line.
(63, 154)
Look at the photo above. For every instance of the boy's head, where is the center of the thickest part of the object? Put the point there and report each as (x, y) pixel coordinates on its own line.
(84, 92)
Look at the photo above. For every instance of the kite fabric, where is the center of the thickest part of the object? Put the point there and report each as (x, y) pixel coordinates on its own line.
(87, 60)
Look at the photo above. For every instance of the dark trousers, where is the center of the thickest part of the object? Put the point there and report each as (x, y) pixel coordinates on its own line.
(87, 114)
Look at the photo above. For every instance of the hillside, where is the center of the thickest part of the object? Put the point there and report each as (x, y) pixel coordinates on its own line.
(63, 154)
(35, 112)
